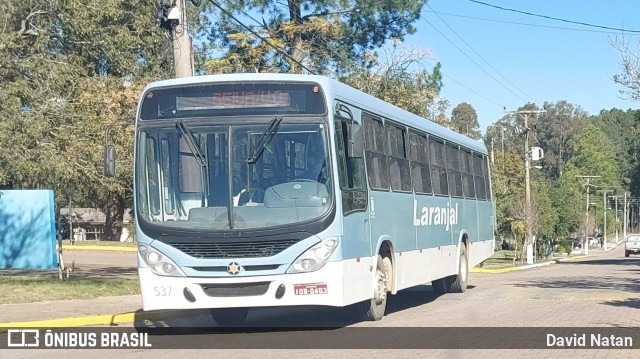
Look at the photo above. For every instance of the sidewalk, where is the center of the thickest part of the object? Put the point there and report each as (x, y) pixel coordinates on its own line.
(74, 312)
(610, 246)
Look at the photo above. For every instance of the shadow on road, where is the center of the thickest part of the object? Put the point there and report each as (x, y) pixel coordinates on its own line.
(609, 261)
(625, 280)
(631, 302)
(275, 318)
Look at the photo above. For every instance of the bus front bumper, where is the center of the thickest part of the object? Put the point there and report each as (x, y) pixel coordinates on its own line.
(322, 287)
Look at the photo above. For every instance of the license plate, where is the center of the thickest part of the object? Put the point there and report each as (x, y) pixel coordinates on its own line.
(310, 289)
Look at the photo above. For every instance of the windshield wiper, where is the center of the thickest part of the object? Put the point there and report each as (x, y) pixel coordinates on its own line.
(264, 140)
(195, 149)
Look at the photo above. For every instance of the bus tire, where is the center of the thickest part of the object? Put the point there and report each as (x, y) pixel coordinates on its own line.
(460, 281)
(373, 309)
(229, 317)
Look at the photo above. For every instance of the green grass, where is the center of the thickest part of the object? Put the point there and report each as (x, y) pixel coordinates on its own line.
(27, 289)
(501, 259)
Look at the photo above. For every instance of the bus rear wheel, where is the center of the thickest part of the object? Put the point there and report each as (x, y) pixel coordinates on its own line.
(229, 317)
(459, 282)
(374, 308)
(456, 283)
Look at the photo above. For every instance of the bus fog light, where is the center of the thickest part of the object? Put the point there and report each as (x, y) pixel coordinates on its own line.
(315, 257)
(307, 264)
(167, 267)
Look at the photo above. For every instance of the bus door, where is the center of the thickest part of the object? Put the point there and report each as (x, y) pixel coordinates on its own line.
(352, 181)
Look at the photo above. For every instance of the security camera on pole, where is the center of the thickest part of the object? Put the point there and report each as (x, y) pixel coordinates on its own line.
(174, 19)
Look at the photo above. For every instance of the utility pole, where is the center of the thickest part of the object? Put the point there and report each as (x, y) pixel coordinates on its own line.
(526, 114)
(625, 217)
(492, 156)
(502, 140)
(617, 220)
(175, 20)
(604, 217)
(586, 213)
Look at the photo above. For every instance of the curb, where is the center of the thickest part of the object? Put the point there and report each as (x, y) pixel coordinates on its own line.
(107, 319)
(100, 248)
(525, 267)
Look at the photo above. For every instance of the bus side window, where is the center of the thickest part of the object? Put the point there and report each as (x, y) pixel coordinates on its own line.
(467, 174)
(419, 156)
(350, 173)
(478, 176)
(377, 167)
(453, 171)
(438, 170)
(398, 163)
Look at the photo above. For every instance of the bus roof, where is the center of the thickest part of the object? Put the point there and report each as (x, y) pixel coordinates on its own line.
(336, 88)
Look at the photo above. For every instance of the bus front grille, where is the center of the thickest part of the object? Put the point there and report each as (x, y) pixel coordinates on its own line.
(235, 289)
(240, 249)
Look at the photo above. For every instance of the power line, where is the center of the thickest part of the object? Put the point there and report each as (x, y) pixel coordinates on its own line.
(525, 24)
(480, 56)
(470, 89)
(260, 37)
(554, 18)
(474, 61)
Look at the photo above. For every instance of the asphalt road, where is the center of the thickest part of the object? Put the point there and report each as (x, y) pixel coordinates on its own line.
(600, 291)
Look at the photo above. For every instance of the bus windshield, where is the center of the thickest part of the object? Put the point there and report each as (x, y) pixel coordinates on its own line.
(271, 173)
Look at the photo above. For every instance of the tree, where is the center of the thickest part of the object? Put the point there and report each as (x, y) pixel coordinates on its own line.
(319, 34)
(508, 188)
(401, 79)
(557, 131)
(64, 64)
(464, 119)
(594, 155)
(622, 128)
(629, 78)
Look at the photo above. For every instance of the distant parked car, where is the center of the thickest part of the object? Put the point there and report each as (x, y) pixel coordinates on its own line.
(632, 245)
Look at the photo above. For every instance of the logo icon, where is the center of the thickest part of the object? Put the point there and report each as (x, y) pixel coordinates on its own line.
(23, 338)
(233, 268)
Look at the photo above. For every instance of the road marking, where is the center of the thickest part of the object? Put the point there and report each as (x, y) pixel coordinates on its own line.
(107, 319)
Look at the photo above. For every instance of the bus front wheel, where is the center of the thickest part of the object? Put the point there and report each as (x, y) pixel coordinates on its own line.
(228, 317)
(374, 308)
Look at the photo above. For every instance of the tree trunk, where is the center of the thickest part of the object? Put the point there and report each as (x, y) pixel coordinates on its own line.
(296, 41)
(114, 217)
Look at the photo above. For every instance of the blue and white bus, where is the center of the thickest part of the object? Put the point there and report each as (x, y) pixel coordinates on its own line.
(261, 190)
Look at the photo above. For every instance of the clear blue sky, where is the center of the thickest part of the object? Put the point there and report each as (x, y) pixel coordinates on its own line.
(547, 64)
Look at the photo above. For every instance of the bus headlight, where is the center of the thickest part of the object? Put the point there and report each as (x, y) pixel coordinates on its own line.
(315, 257)
(158, 263)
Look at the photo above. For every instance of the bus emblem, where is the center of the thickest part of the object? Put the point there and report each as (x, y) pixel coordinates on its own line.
(233, 268)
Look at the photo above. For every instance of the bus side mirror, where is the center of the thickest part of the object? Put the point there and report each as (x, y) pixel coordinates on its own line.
(109, 161)
(356, 141)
